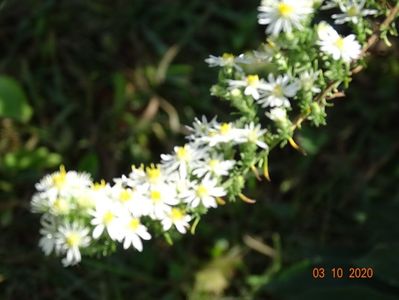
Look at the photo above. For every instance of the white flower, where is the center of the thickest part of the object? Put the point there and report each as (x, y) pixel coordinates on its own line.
(205, 191)
(182, 158)
(307, 80)
(200, 128)
(132, 200)
(253, 85)
(64, 182)
(352, 11)
(254, 133)
(106, 216)
(178, 218)
(70, 238)
(133, 232)
(223, 133)
(180, 183)
(161, 196)
(48, 241)
(330, 4)
(226, 60)
(331, 43)
(283, 15)
(278, 90)
(215, 165)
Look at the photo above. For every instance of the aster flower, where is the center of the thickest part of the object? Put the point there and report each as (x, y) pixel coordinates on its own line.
(252, 84)
(178, 218)
(253, 134)
(48, 242)
(132, 200)
(162, 197)
(277, 114)
(278, 90)
(133, 232)
(339, 47)
(70, 238)
(215, 165)
(283, 15)
(223, 133)
(352, 11)
(226, 60)
(199, 129)
(205, 191)
(307, 80)
(106, 217)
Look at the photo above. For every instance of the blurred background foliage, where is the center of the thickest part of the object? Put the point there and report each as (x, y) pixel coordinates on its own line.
(99, 85)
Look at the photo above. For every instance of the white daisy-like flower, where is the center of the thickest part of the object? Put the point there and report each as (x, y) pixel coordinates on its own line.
(133, 232)
(278, 90)
(215, 165)
(48, 242)
(308, 79)
(254, 133)
(252, 84)
(205, 191)
(200, 128)
(352, 11)
(71, 237)
(223, 133)
(106, 216)
(226, 60)
(161, 197)
(182, 158)
(330, 4)
(283, 15)
(180, 183)
(178, 218)
(132, 200)
(64, 182)
(339, 47)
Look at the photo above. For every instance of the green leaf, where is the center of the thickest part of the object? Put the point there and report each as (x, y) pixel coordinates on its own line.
(13, 101)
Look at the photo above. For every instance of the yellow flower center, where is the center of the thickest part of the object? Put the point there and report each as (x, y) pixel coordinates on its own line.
(278, 91)
(134, 224)
(99, 185)
(73, 239)
(59, 179)
(225, 128)
(176, 214)
(285, 10)
(252, 80)
(352, 11)
(153, 173)
(213, 164)
(155, 196)
(108, 217)
(228, 57)
(183, 153)
(202, 191)
(61, 206)
(340, 43)
(125, 195)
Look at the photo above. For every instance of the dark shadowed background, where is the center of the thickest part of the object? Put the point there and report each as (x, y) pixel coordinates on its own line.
(99, 85)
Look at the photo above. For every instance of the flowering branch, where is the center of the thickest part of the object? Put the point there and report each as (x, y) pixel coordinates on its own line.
(302, 66)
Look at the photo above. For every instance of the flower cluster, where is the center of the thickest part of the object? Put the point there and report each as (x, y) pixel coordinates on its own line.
(78, 214)
(297, 69)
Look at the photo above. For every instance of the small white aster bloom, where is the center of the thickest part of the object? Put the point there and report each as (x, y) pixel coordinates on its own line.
(162, 197)
(180, 183)
(308, 79)
(182, 158)
(215, 165)
(132, 200)
(64, 182)
(70, 239)
(252, 84)
(205, 191)
(226, 60)
(133, 232)
(200, 128)
(278, 90)
(223, 133)
(253, 134)
(352, 11)
(178, 218)
(339, 47)
(106, 217)
(283, 15)
(48, 242)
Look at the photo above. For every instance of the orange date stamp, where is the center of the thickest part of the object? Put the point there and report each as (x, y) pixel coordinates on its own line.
(341, 273)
